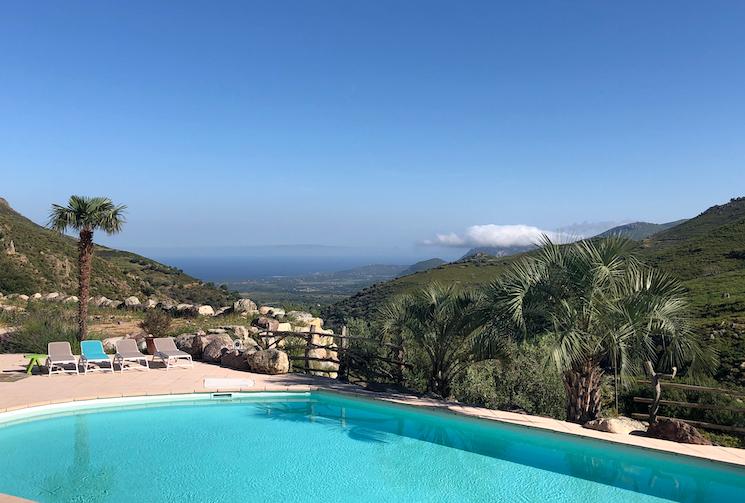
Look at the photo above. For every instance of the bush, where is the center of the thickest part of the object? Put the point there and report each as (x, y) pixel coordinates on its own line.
(156, 323)
(527, 381)
(42, 326)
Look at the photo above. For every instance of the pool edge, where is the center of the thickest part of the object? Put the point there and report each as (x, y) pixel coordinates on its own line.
(711, 454)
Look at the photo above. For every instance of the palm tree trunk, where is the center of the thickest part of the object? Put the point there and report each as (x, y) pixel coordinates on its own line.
(582, 384)
(85, 256)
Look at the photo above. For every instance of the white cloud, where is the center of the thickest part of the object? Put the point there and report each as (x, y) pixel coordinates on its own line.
(497, 235)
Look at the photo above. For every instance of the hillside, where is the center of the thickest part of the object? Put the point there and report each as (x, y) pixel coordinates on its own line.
(706, 252)
(423, 265)
(497, 251)
(639, 230)
(34, 259)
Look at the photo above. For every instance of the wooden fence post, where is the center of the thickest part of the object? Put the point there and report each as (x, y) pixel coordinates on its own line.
(343, 374)
(308, 348)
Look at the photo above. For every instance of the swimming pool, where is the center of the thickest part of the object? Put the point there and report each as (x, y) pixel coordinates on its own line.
(326, 447)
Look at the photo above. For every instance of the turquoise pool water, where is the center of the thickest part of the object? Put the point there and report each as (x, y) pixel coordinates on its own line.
(322, 447)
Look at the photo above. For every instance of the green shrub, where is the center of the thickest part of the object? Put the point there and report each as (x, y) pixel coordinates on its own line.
(526, 381)
(43, 325)
(156, 323)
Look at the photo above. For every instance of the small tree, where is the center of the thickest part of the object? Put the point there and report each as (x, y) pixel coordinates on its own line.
(86, 215)
(602, 308)
(445, 323)
(156, 323)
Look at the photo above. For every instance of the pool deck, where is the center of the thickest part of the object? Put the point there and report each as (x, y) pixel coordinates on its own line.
(38, 390)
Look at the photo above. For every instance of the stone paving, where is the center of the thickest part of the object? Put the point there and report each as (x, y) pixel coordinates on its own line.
(39, 390)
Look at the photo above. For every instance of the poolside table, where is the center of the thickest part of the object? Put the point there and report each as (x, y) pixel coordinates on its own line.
(37, 359)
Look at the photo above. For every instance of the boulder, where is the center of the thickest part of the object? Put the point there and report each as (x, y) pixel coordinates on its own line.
(150, 304)
(238, 331)
(300, 316)
(166, 305)
(52, 295)
(114, 304)
(23, 297)
(268, 361)
(284, 327)
(99, 301)
(205, 311)
(244, 306)
(277, 312)
(218, 345)
(622, 425)
(109, 344)
(266, 323)
(224, 311)
(234, 360)
(264, 310)
(216, 331)
(186, 310)
(72, 299)
(676, 431)
(132, 302)
(185, 342)
(36, 296)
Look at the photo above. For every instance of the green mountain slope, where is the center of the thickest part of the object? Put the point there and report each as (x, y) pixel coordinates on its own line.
(34, 259)
(423, 265)
(639, 230)
(706, 252)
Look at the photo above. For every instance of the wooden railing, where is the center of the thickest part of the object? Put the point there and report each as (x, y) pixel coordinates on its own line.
(347, 357)
(656, 402)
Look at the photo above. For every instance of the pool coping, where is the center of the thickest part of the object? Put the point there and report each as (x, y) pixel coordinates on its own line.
(712, 454)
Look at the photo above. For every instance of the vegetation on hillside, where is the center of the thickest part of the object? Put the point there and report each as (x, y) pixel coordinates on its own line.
(639, 230)
(34, 259)
(707, 253)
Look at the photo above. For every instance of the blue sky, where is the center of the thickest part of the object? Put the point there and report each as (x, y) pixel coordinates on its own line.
(370, 124)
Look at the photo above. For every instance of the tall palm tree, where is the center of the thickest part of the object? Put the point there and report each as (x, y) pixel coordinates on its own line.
(445, 323)
(603, 308)
(86, 215)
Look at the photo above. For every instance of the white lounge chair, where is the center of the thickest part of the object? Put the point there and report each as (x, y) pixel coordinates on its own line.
(92, 356)
(60, 354)
(126, 353)
(166, 350)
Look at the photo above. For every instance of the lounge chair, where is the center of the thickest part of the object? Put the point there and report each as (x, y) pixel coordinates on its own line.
(166, 350)
(92, 356)
(127, 352)
(60, 354)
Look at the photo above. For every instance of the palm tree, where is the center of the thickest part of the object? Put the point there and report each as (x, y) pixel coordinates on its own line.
(86, 215)
(445, 323)
(603, 309)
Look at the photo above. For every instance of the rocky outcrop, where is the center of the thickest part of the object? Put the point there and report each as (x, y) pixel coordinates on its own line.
(268, 361)
(300, 316)
(245, 306)
(621, 425)
(132, 302)
(266, 323)
(676, 431)
(224, 311)
(216, 347)
(186, 343)
(234, 360)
